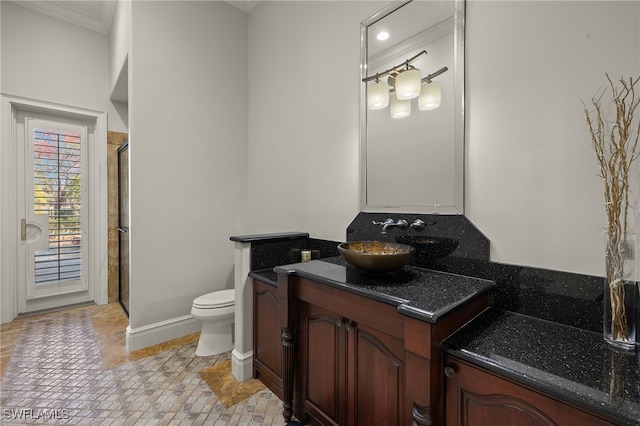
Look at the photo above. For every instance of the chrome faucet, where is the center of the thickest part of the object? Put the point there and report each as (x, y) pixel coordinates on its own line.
(389, 223)
(418, 224)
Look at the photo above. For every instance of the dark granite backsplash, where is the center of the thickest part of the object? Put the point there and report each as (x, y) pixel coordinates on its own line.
(473, 244)
(267, 254)
(562, 297)
(322, 248)
(269, 251)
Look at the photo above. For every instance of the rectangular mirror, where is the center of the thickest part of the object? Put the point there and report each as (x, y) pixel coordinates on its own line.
(414, 164)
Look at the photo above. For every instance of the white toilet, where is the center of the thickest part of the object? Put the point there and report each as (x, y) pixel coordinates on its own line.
(216, 310)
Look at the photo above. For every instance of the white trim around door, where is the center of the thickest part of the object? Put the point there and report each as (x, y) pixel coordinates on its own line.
(9, 220)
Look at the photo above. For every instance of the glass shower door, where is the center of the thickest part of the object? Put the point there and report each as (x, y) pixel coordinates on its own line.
(123, 227)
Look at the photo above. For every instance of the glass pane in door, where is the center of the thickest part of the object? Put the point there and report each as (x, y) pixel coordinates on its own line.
(57, 194)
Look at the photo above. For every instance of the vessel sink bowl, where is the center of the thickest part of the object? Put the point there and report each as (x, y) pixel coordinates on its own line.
(429, 248)
(376, 256)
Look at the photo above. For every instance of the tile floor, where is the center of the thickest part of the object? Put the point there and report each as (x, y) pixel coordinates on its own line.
(70, 368)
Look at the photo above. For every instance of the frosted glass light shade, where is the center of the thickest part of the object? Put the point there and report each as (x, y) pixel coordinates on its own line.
(430, 97)
(378, 96)
(408, 84)
(400, 108)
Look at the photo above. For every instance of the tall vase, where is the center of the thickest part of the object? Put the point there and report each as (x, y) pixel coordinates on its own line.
(621, 297)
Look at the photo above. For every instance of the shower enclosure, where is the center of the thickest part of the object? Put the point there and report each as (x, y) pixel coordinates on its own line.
(123, 223)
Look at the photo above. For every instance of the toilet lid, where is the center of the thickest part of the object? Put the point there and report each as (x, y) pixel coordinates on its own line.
(216, 299)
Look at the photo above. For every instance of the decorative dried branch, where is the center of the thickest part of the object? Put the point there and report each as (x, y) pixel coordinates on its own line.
(616, 152)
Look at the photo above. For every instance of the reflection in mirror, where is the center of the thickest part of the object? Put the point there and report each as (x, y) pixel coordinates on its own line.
(414, 163)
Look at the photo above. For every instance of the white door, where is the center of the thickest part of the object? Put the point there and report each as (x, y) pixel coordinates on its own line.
(52, 205)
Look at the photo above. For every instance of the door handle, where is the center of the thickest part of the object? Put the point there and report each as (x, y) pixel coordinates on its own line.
(35, 231)
(121, 229)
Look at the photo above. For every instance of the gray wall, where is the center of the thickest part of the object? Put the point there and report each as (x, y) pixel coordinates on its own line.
(48, 59)
(531, 183)
(188, 130)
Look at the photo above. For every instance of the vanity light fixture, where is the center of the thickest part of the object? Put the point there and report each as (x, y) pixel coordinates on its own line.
(430, 96)
(405, 82)
(378, 95)
(400, 108)
(408, 83)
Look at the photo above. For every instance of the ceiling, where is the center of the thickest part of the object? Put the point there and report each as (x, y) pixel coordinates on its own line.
(96, 15)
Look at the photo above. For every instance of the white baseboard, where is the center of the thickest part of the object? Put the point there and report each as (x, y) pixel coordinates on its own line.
(153, 334)
(242, 365)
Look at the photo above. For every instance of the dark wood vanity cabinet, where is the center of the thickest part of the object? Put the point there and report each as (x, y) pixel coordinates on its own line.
(350, 373)
(476, 397)
(267, 337)
(352, 360)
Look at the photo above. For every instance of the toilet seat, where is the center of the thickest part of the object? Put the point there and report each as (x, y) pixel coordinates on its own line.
(216, 299)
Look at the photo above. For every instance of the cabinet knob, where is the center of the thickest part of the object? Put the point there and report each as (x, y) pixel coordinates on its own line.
(348, 326)
(450, 372)
(339, 323)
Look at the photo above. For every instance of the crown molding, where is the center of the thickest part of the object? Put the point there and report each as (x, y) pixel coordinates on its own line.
(96, 15)
(244, 5)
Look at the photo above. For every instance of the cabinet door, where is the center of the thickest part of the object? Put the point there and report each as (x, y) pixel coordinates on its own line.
(475, 397)
(267, 337)
(376, 377)
(323, 356)
(352, 374)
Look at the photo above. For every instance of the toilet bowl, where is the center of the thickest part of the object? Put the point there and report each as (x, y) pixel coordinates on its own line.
(216, 310)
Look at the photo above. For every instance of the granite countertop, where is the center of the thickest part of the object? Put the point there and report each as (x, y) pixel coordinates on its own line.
(418, 293)
(279, 236)
(266, 276)
(570, 364)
